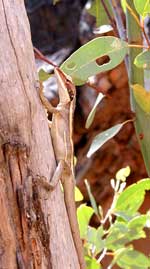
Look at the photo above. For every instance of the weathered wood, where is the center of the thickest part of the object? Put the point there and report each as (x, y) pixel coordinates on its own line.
(34, 229)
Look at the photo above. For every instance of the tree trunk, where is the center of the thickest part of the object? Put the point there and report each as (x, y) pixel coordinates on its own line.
(34, 228)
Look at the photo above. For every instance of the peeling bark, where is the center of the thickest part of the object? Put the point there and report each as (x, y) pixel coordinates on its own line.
(34, 228)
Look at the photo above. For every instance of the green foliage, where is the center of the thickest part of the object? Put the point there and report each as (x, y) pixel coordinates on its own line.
(43, 75)
(142, 60)
(97, 10)
(128, 225)
(132, 198)
(132, 259)
(78, 195)
(142, 97)
(93, 111)
(82, 63)
(103, 137)
(142, 7)
(84, 214)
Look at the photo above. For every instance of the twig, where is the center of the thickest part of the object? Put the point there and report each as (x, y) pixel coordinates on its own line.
(139, 23)
(110, 18)
(120, 25)
(40, 56)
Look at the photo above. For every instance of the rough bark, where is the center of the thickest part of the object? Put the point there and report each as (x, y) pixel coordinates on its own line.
(34, 229)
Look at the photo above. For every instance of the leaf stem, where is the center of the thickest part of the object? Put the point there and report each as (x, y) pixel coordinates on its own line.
(138, 22)
(110, 18)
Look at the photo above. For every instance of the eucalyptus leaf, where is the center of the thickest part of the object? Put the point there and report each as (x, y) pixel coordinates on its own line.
(43, 75)
(132, 259)
(142, 97)
(95, 240)
(102, 138)
(142, 7)
(132, 197)
(93, 111)
(83, 62)
(84, 214)
(92, 263)
(122, 233)
(78, 195)
(96, 9)
(142, 60)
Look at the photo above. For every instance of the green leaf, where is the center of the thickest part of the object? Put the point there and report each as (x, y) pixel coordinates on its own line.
(97, 10)
(43, 75)
(132, 197)
(123, 173)
(93, 111)
(132, 259)
(123, 4)
(142, 60)
(92, 263)
(121, 233)
(142, 7)
(117, 236)
(92, 199)
(78, 195)
(82, 63)
(95, 240)
(137, 222)
(103, 137)
(142, 97)
(84, 214)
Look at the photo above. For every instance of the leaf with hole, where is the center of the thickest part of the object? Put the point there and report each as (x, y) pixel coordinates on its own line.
(103, 137)
(85, 62)
(93, 111)
(142, 60)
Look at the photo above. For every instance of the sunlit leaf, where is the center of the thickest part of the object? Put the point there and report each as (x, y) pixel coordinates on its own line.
(117, 236)
(132, 197)
(43, 75)
(142, 60)
(93, 111)
(132, 259)
(94, 237)
(84, 214)
(121, 233)
(142, 97)
(92, 263)
(123, 173)
(123, 4)
(137, 222)
(78, 195)
(83, 63)
(102, 138)
(142, 7)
